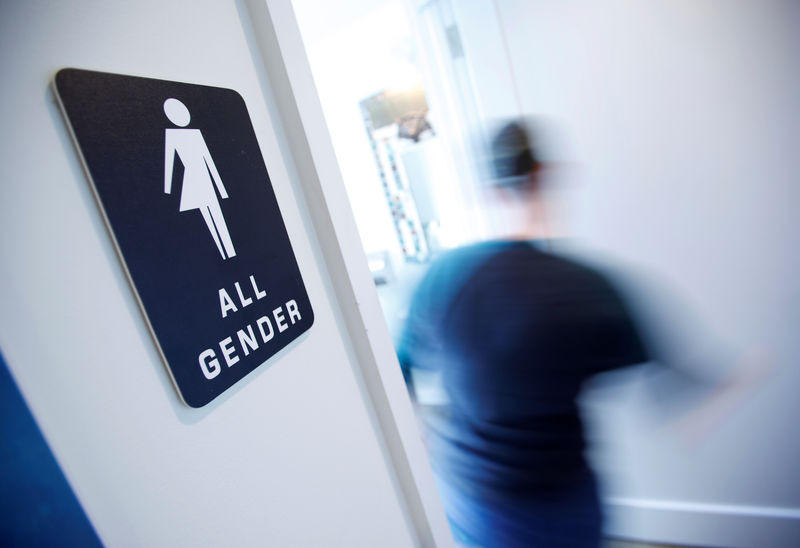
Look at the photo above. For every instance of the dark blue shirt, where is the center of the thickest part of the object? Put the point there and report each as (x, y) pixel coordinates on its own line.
(515, 332)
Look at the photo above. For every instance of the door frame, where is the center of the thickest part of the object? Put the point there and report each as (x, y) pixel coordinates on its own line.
(284, 59)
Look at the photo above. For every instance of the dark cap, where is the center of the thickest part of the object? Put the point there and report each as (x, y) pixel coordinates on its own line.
(512, 157)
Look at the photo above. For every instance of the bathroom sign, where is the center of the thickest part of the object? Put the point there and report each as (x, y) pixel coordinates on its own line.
(184, 190)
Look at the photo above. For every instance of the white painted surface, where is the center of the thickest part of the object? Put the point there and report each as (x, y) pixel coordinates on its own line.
(293, 455)
(683, 117)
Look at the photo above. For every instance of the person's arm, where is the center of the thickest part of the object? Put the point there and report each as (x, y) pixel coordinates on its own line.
(614, 337)
(410, 342)
(695, 382)
(417, 344)
(750, 372)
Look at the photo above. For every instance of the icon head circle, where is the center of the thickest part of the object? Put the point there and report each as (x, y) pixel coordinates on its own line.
(177, 112)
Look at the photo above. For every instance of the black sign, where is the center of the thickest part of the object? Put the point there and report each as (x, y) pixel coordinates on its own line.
(180, 178)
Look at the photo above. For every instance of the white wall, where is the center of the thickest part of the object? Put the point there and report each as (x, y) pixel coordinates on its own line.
(292, 456)
(683, 118)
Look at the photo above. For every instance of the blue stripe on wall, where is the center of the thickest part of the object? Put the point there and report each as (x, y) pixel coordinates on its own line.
(37, 505)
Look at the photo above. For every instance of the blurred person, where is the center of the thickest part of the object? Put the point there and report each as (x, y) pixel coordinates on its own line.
(515, 331)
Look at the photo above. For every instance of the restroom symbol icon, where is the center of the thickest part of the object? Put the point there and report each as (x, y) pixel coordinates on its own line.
(200, 175)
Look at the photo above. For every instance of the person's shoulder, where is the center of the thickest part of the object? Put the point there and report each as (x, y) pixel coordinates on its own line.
(542, 265)
(466, 257)
(587, 271)
(534, 255)
(508, 262)
(575, 266)
(451, 269)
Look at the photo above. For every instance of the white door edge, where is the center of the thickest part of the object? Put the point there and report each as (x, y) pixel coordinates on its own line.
(285, 61)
